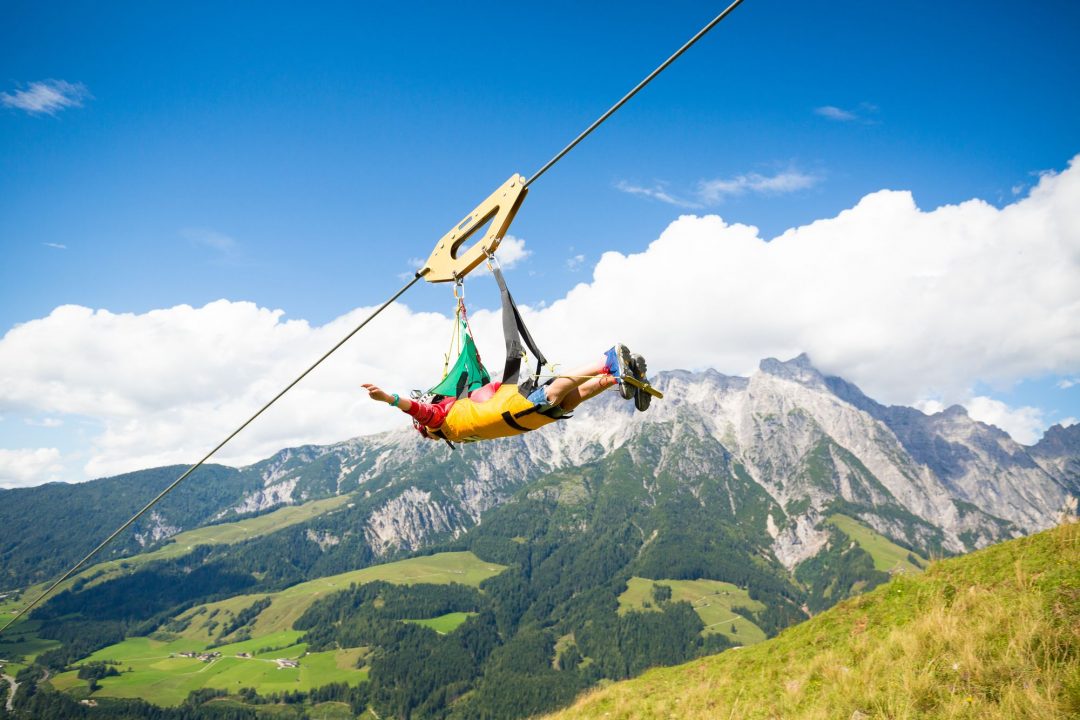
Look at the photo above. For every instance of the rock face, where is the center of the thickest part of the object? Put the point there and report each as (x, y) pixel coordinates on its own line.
(813, 444)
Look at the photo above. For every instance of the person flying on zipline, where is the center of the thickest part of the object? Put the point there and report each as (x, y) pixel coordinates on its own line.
(503, 409)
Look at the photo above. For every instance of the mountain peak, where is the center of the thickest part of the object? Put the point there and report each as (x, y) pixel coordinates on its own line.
(798, 369)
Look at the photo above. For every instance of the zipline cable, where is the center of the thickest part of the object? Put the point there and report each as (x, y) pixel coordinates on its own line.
(611, 111)
(547, 166)
(208, 455)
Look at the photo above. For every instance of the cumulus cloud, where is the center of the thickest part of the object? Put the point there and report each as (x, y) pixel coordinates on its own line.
(1024, 424)
(1066, 383)
(28, 467)
(909, 304)
(512, 251)
(168, 384)
(46, 97)
(709, 193)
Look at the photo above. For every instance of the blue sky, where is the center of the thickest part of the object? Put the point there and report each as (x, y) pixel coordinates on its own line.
(301, 158)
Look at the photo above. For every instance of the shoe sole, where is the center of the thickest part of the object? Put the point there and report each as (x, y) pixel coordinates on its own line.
(622, 353)
(640, 369)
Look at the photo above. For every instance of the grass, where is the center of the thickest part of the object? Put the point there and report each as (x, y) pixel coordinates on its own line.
(182, 544)
(224, 534)
(155, 671)
(888, 556)
(444, 623)
(160, 676)
(289, 604)
(712, 601)
(995, 634)
(21, 642)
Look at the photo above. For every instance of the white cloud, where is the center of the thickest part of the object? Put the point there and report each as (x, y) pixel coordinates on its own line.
(1066, 383)
(715, 191)
(28, 467)
(834, 113)
(908, 304)
(864, 114)
(574, 262)
(511, 251)
(55, 246)
(168, 384)
(1024, 424)
(1068, 422)
(709, 193)
(46, 97)
(656, 192)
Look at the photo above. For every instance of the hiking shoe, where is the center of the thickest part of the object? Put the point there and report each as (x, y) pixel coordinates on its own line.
(618, 364)
(638, 367)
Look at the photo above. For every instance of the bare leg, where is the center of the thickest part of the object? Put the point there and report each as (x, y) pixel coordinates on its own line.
(571, 381)
(590, 389)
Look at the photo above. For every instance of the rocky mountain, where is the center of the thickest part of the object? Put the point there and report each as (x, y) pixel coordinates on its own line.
(812, 444)
(801, 443)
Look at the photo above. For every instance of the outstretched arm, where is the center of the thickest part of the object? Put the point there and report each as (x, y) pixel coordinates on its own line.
(375, 393)
(426, 414)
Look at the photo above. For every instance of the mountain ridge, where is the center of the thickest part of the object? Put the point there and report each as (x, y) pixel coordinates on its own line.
(944, 482)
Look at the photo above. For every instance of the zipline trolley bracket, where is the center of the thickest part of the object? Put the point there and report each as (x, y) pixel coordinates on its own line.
(446, 264)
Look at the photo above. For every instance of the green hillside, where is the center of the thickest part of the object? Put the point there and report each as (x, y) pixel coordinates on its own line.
(888, 556)
(712, 600)
(177, 546)
(995, 634)
(154, 669)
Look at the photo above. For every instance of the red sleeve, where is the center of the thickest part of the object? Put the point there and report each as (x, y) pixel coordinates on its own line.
(428, 414)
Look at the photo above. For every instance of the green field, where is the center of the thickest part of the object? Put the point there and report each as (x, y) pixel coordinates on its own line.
(444, 623)
(289, 604)
(888, 556)
(712, 601)
(159, 675)
(20, 641)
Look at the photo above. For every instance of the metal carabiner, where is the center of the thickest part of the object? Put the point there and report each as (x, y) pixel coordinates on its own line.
(459, 284)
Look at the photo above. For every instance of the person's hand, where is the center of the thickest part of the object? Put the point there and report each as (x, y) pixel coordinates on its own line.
(376, 394)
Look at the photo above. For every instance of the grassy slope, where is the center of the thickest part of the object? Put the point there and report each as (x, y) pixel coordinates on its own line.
(289, 604)
(888, 556)
(223, 534)
(444, 623)
(182, 543)
(712, 601)
(164, 680)
(995, 634)
(158, 673)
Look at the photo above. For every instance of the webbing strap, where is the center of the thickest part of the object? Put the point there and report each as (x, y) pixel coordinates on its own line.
(509, 420)
(514, 332)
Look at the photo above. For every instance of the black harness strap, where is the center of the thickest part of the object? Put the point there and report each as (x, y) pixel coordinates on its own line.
(509, 420)
(514, 332)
